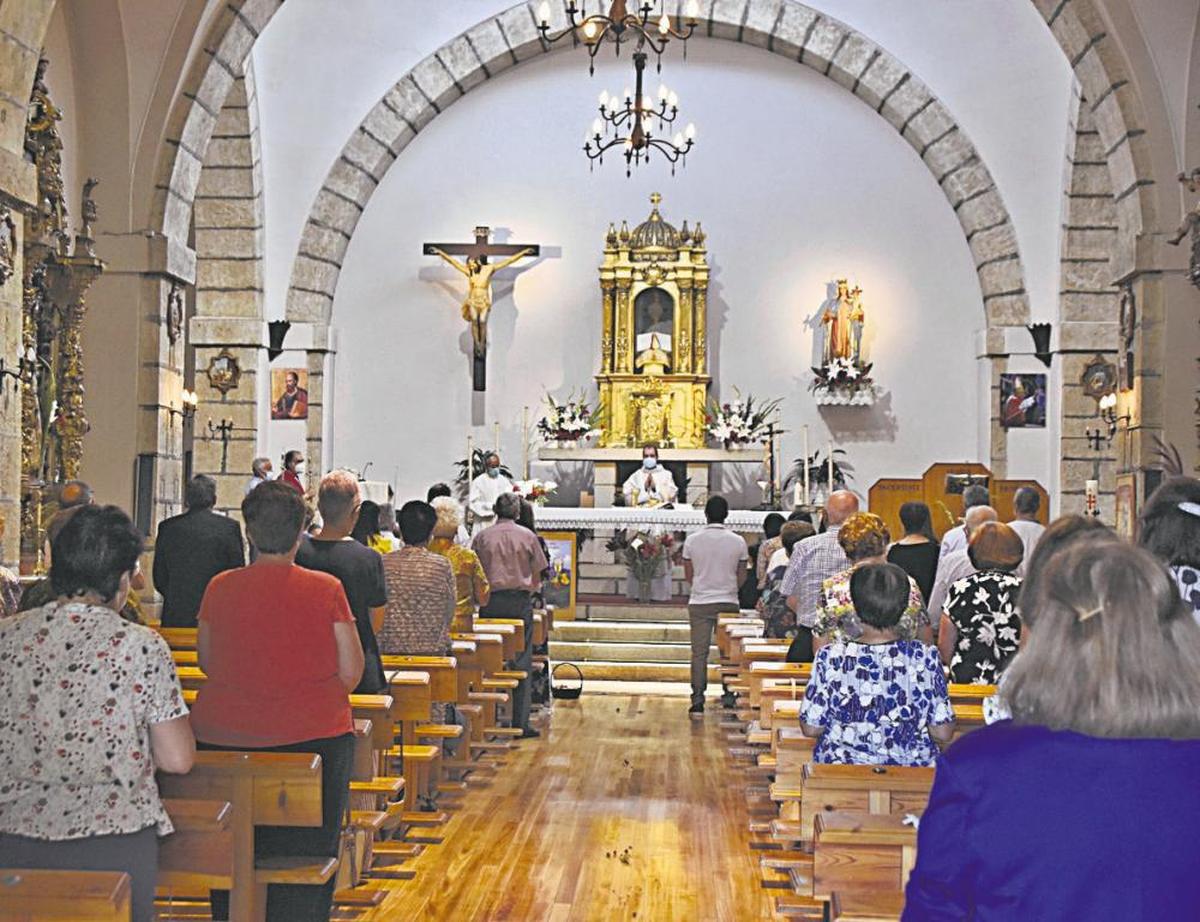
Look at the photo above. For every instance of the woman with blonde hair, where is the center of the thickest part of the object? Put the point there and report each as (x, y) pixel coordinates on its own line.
(865, 538)
(471, 588)
(1084, 805)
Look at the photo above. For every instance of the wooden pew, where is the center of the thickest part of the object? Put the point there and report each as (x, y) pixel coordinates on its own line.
(263, 789)
(178, 638)
(195, 858)
(866, 907)
(858, 853)
(771, 669)
(28, 895)
(854, 788)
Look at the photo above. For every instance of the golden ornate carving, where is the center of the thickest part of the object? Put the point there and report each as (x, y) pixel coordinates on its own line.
(55, 283)
(653, 282)
(224, 372)
(700, 348)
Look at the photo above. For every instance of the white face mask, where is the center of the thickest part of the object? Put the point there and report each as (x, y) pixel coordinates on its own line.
(649, 463)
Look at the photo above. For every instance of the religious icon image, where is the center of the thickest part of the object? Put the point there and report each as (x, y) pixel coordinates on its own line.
(653, 319)
(1023, 401)
(224, 372)
(289, 393)
(843, 377)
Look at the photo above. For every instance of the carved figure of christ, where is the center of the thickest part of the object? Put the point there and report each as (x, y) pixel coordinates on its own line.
(478, 273)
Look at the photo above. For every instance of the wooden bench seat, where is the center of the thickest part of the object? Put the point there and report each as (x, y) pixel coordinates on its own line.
(262, 789)
(858, 853)
(310, 872)
(866, 907)
(29, 895)
(860, 789)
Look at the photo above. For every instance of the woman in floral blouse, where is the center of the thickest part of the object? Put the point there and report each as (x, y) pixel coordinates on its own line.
(981, 628)
(865, 538)
(90, 698)
(879, 699)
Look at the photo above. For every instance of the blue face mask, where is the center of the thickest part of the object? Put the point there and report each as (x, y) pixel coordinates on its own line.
(493, 472)
(649, 463)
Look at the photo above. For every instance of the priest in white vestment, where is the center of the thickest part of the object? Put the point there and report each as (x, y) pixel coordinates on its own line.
(485, 490)
(652, 485)
(645, 489)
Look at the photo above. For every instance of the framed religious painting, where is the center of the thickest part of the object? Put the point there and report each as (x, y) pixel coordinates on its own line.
(560, 589)
(1126, 505)
(1023, 401)
(289, 393)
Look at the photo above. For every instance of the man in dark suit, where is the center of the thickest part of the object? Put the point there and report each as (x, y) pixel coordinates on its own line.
(191, 549)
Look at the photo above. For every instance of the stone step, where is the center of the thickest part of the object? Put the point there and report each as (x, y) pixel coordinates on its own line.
(642, 672)
(610, 652)
(632, 611)
(616, 585)
(621, 631)
(615, 571)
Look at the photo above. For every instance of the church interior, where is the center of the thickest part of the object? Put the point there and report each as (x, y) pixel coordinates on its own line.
(612, 290)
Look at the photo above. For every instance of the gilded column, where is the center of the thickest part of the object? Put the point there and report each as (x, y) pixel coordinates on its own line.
(624, 325)
(683, 350)
(606, 338)
(699, 345)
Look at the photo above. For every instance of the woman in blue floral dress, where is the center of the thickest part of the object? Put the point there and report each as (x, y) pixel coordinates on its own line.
(877, 700)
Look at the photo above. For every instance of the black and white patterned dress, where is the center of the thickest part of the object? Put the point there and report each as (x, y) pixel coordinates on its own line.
(983, 608)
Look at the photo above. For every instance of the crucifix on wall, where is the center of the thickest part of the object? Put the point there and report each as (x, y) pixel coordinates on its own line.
(478, 272)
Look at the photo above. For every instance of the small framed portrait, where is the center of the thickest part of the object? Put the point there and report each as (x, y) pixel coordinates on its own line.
(289, 393)
(1099, 378)
(559, 588)
(224, 372)
(1023, 401)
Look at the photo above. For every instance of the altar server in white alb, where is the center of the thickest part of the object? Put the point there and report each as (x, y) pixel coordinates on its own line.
(652, 485)
(485, 490)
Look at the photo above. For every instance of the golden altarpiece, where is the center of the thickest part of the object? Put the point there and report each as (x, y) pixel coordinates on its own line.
(653, 378)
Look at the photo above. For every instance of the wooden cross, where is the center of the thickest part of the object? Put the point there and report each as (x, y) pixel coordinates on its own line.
(478, 303)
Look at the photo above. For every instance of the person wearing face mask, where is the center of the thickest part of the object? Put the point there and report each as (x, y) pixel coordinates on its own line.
(293, 466)
(651, 486)
(485, 490)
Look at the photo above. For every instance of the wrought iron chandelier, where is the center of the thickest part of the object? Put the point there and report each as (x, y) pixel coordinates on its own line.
(648, 25)
(630, 122)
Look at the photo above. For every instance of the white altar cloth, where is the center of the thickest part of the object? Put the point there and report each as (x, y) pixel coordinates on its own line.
(682, 518)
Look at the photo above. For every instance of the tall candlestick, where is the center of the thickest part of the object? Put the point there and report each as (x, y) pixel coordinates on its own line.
(470, 458)
(806, 493)
(830, 493)
(496, 446)
(525, 440)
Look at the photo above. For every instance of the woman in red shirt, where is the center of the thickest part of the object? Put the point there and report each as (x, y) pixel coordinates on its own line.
(281, 652)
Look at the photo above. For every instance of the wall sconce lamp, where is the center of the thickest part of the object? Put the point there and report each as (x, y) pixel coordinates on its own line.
(25, 363)
(1108, 413)
(189, 401)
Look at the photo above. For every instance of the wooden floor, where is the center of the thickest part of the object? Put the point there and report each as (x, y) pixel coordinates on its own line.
(624, 809)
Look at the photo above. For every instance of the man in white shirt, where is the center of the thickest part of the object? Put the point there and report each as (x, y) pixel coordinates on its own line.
(956, 538)
(485, 490)
(261, 469)
(652, 485)
(1026, 503)
(716, 563)
(957, 564)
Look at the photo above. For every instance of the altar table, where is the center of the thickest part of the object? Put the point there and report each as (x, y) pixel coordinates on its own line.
(684, 518)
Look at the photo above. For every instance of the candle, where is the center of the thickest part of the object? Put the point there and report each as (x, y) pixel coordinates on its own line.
(497, 438)
(830, 470)
(525, 440)
(470, 458)
(1091, 490)
(806, 493)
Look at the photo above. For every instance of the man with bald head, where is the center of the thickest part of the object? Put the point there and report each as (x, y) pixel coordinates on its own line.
(813, 561)
(957, 564)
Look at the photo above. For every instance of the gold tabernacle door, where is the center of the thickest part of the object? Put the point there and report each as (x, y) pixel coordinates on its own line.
(653, 376)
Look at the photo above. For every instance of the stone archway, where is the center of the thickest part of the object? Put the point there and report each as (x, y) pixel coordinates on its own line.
(783, 27)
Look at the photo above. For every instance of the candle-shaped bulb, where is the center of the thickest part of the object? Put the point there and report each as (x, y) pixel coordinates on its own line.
(664, 24)
(673, 99)
(691, 10)
(690, 132)
(544, 13)
(604, 99)
(597, 128)
(627, 95)
(589, 31)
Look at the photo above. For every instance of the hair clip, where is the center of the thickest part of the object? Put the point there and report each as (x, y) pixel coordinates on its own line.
(1086, 615)
(1189, 508)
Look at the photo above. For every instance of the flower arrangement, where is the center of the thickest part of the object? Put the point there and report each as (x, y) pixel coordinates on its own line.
(645, 555)
(818, 472)
(569, 421)
(740, 422)
(842, 374)
(536, 491)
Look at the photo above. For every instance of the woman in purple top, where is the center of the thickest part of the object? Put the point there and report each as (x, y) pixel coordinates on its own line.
(1085, 805)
